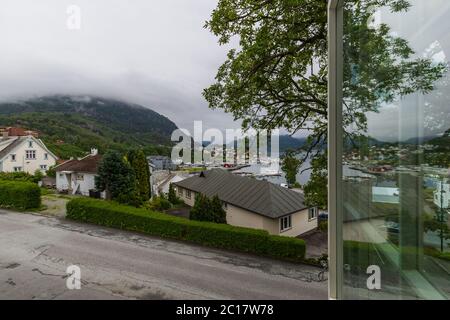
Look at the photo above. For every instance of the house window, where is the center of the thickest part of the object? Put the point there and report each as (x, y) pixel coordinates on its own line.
(188, 194)
(30, 144)
(285, 223)
(30, 155)
(312, 213)
(180, 191)
(13, 158)
(46, 156)
(17, 169)
(44, 167)
(80, 177)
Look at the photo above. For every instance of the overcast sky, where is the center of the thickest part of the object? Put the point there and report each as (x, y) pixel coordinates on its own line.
(426, 28)
(154, 53)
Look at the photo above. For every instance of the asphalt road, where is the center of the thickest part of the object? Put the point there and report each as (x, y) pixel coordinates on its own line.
(35, 252)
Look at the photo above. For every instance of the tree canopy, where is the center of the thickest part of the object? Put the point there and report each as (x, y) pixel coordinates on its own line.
(290, 164)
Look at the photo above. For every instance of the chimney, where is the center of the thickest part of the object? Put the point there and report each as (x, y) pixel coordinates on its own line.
(94, 151)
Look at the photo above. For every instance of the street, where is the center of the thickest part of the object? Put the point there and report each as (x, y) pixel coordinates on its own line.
(35, 252)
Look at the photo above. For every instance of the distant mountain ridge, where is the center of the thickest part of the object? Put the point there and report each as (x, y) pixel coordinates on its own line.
(71, 125)
(289, 142)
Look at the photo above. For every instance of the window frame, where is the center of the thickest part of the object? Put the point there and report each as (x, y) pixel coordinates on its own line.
(335, 138)
(288, 220)
(314, 215)
(33, 152)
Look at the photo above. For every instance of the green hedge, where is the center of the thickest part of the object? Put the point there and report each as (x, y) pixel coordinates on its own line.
(19, 195)
(214, 235)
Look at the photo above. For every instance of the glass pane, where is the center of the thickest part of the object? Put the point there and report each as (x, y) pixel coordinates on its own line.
(397, 149)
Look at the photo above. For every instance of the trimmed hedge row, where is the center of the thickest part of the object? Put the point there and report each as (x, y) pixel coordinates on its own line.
(19, 195)
(223, 236)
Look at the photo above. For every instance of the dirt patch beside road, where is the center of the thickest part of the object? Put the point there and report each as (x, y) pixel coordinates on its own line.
(54, 205)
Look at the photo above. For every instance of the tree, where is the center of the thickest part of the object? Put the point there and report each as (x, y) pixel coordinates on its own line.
(210, 210)
(290, 165)
(116, 178)
(277, 78)
(37, 177)
(172, 197)
(139, 164)
(316, 190)
(51, 172)
(201, 211)
(217, 210)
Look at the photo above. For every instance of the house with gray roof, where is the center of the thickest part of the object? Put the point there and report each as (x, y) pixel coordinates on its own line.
(252, 203)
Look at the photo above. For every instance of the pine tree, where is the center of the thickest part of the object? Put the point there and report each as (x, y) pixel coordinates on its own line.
(139, 163)
(210, 210)
(201, 211)
(173, 195)
(217, 210)
(116, 178)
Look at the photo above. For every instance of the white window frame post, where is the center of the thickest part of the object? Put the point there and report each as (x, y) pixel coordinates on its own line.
(335, 146)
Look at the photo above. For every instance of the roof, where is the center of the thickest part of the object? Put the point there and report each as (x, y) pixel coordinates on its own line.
(16, 141)
(261, 197)
(88, 164)
(158, 158)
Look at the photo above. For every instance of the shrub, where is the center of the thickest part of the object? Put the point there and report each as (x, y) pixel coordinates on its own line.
(433, 252)
(16, 176)
(19, 195)
(37, 177)
(284, 247)
(160, 204)
(206, 209)
(223, 236)
(22, 176)
(323, 226)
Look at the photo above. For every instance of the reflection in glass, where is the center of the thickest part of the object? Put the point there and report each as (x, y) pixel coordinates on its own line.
(396, 188)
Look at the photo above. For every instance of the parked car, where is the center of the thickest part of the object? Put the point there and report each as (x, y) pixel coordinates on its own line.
(323, 216)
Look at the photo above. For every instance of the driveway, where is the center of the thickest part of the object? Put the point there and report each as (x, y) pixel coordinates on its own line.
(35, 252)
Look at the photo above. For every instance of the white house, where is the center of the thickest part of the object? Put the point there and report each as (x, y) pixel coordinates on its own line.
(252, 203)
(77, 176)
(25, 154)
(442, 195)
